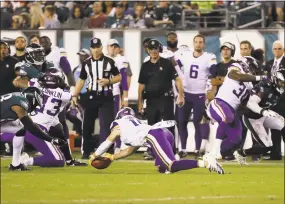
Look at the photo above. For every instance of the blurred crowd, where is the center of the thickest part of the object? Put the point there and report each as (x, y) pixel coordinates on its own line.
(111, 14)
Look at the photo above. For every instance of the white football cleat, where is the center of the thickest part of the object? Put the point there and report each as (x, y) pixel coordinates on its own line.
(240, 159)
(177, 157)
(24, 159)
(212, 164)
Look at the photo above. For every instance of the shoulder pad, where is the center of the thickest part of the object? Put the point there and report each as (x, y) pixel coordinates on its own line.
(113, 124)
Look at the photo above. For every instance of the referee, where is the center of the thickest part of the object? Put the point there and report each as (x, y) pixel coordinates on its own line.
(102, 74)
(155, 79)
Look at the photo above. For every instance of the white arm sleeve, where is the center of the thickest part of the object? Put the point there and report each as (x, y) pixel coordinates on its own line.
(103, 147)
(252, 103)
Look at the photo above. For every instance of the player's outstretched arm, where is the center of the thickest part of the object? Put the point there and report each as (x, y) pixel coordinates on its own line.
(125, 153)
(235, 74)
(21, 82)
(115, 133)
(32, 127)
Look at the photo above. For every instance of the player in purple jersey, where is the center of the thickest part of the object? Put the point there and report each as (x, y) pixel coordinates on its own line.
(223, 108)
(158, 138)
(259, 117)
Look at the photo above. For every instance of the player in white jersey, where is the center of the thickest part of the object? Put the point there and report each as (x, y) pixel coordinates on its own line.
(223, 108)
(123, 65)
(56, 96)
(59, 58)
(136, 134)
(196, 67)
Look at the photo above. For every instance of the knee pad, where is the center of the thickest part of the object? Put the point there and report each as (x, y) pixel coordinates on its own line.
(21, 132)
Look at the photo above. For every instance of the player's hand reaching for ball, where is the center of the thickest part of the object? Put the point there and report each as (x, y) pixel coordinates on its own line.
(109, 156)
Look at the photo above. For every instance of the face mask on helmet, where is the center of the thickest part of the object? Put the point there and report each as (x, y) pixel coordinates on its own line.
(52, 79)
(35, 55)
(124, 112)
(248, 64)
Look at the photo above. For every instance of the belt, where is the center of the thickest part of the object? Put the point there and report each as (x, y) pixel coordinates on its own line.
(100, 93)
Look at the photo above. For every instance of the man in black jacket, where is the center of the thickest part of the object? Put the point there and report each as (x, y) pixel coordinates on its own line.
(7, 73)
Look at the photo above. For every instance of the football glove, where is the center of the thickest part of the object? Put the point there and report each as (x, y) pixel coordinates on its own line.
(269, 113)
(58, 141)
(110, 156)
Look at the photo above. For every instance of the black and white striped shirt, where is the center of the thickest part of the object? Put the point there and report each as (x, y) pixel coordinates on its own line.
(104, 67)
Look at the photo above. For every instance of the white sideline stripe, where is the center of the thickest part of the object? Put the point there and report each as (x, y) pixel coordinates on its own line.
(224, 163)
(138, 199)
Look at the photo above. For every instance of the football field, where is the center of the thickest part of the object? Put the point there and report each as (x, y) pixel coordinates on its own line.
(137, 181)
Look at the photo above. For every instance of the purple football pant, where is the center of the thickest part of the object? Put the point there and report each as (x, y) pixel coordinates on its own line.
(117, 107)
(161, 142)
(197, 103)
(52, 156)
(229, 129)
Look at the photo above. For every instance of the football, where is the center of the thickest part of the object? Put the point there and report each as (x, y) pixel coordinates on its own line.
(101, 162)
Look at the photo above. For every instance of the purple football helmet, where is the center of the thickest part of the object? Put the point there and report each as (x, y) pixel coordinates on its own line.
(74, 113)
(248, 64)
(125, 111)
(53, 78)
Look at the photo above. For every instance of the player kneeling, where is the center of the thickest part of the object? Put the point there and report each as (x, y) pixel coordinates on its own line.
(56, 96)
(136, 134)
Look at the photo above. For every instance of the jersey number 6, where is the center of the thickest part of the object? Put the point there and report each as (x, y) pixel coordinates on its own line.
(194, 71)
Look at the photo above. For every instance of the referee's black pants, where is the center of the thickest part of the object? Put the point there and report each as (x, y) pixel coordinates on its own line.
(276, 134)
(160, 108)
(102, 106)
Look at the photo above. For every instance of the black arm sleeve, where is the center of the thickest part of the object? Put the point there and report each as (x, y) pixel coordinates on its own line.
(83, 73)
(114, 69)
(142, 79)
(34, 129)
(70, 79)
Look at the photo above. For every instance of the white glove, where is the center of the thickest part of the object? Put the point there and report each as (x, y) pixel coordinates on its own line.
(269, 113)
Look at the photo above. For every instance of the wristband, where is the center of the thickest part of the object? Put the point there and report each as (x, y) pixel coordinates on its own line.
(125, 99)
(72, 89)
(262, 110)
(257, 78)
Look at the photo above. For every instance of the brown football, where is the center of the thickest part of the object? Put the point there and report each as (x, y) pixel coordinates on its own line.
(101, 162)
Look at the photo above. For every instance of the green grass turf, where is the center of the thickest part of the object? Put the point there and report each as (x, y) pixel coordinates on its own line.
(133, 181)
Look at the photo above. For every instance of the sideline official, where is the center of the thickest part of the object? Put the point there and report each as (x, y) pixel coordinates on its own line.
(155, 79)
(7, 72)
(102, 74)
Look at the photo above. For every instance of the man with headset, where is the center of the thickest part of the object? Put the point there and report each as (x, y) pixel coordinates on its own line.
(155, 79)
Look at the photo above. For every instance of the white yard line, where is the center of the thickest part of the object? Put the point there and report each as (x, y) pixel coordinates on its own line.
(128, 200)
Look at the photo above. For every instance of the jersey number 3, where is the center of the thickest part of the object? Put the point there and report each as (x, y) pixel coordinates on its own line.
(56, 108)
(239, 92)
(194, 71)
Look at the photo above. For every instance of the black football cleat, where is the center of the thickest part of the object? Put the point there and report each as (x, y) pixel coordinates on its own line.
(20, 167)
(182, 154)
(74, 162)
